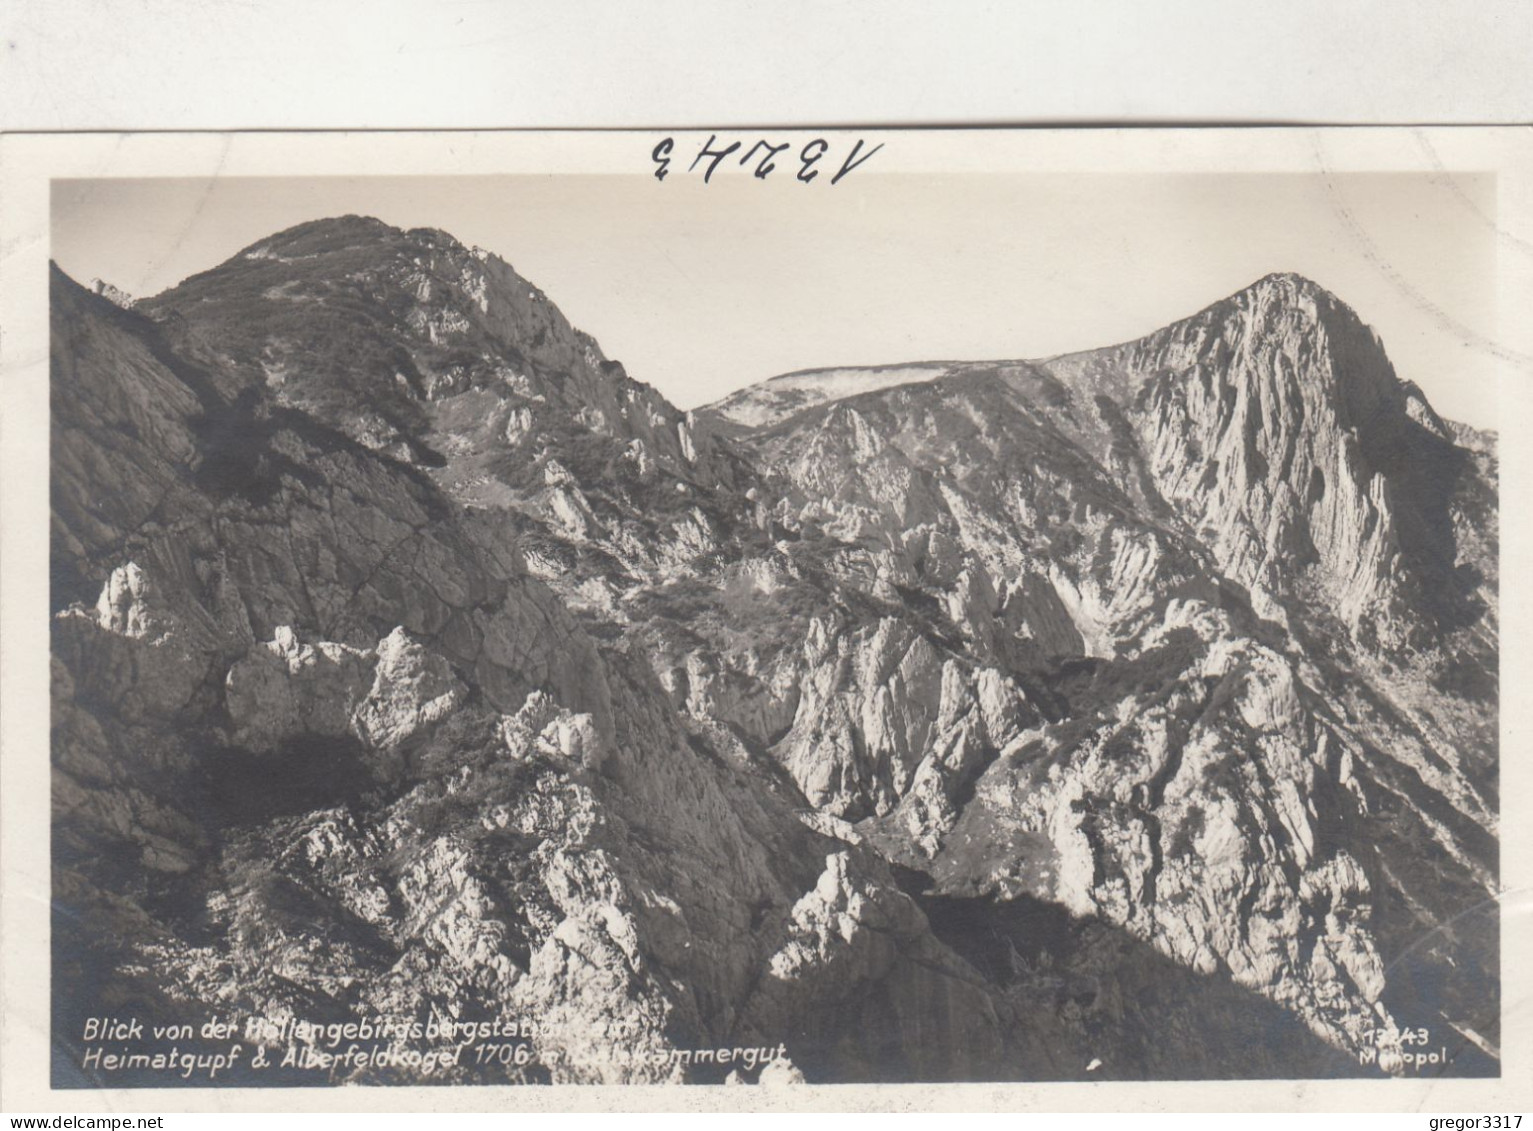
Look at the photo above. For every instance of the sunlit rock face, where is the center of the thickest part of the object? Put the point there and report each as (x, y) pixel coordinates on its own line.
(1133, 709)
(1241, 581)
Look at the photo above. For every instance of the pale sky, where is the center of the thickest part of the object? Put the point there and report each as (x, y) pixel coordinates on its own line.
(700, 290)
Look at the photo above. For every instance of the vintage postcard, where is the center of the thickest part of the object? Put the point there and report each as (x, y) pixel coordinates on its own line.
(989, 617)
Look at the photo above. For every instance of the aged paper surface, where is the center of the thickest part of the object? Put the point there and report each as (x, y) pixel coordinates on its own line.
(1019, 625)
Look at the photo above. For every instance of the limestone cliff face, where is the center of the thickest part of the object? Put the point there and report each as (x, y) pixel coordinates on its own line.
(443, 356)
(410, 658)
(323, 748)
(1275, 427)
(1231, 571)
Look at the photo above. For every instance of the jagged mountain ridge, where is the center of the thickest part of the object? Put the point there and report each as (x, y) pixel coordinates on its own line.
(1171, 537)
(393, 338)
(844, 612)
(351, 819)
(323, 749)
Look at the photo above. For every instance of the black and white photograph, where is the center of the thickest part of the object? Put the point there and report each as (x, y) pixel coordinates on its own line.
(762, 613)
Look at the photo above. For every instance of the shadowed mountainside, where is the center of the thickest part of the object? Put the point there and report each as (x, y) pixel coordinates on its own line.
(411, 658)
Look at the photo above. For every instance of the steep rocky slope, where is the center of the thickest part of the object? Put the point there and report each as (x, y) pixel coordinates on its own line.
(323, 750)
(1246, 578)
(938, 722)
(442, 356)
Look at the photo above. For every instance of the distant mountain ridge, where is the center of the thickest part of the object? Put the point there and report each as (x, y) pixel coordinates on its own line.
(769, 402)
(994, 693)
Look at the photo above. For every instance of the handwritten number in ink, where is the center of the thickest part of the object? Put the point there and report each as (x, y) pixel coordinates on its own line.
(717, 155)
(661, 155)
(761, 157)
(807, 174)
(852, 162)
(766, 164)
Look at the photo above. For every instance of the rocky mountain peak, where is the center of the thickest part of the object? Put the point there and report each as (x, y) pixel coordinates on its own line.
(328, 231)
(1281, 291)
(1255, 472)
(1274, 424)
(1289, 283)
(1163, 670)
(1279, 306)
(353, 232)
(371, 328)
(445, 357)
